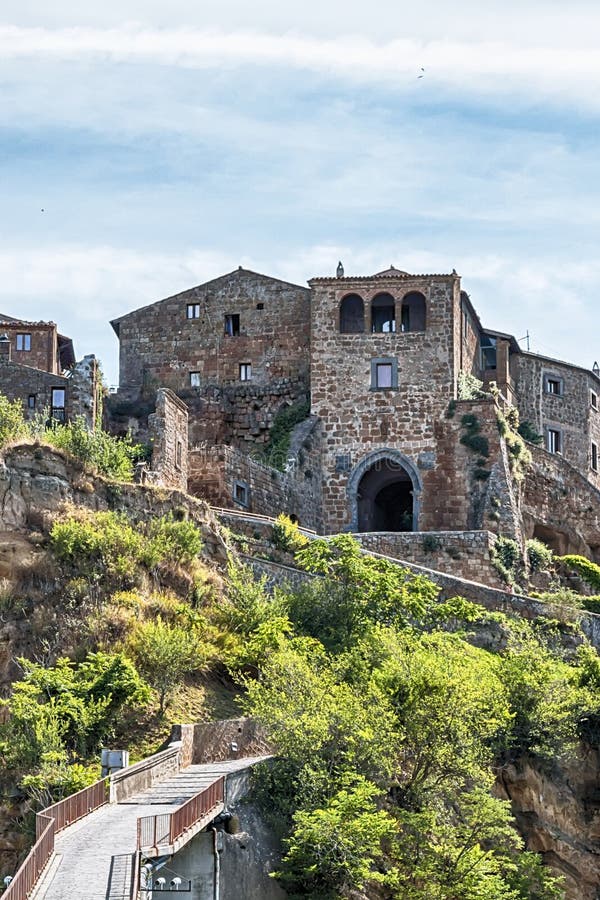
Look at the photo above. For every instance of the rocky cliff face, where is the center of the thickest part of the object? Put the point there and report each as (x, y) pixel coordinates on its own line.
(558, 813)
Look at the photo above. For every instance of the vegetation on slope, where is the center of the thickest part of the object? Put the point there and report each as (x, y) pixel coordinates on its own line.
(390, 722)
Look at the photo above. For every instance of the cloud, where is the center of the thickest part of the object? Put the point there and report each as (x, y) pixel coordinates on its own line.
(563, 74)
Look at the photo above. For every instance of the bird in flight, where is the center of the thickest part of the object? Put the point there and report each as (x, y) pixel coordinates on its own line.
(423, 71)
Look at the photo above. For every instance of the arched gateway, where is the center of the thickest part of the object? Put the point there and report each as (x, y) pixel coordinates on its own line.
(384, 491)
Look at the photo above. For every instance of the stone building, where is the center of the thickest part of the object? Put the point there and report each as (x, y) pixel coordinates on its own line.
(38, 367)
(394, 441)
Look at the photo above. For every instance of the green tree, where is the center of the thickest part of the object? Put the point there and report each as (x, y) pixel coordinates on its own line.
(165, 654)
(12, 421)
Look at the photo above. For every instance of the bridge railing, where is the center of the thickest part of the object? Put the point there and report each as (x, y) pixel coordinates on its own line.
(165, 828)
(48, 823)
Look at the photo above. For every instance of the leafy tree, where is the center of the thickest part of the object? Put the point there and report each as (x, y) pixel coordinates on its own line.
(335, 848)
(12, 421)
(165, 654)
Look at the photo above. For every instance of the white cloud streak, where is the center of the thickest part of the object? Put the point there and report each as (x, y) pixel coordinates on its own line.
(565, 74)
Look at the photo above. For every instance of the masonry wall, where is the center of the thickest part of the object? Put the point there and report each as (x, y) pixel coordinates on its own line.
(358, 420)
(161, 347)
(85, 391)
(18, 382)
(223, 475)
(560, 506)
(44, 344)
(570, 412)
(168, 427)
(466, 554)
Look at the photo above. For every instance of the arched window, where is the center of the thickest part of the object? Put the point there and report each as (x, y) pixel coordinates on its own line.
(383, 313)
(413, 312)
(352, 315)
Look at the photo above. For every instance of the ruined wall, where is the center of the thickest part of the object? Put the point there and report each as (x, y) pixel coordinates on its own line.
(168, 428)
(560, 506)
(161, 346)
(359, 419)
(570, 412)
(85, 391)
(224, 476)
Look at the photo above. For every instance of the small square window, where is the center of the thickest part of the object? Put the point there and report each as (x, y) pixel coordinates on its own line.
(178, 455)
(594, 457)
(241, 493)
(195, 379)
(553, 440)
(553, 384)
(31, 400)
(593, 399)
(232, 325)
(23, 342)
(245, 371)
(260, 305)
(193, 310)
(384, 374)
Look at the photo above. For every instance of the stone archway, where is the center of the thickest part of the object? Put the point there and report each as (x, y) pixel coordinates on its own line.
(384, 492)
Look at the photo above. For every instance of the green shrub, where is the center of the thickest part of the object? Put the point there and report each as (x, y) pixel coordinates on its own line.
(277, 449)
(529, 433)
(287, 535)
(539, 556)
(12, 421)
(469, 387)
(586, 569)
(472, 439)
(111, 456)
(506, 557)
(165, 654)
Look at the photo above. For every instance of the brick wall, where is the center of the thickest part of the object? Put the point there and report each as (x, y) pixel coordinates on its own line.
(18, 382)
(85, 389)
(43, 340)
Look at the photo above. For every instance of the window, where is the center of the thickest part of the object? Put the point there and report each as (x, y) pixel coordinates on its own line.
(383, 314)
(232, 325)
(553, 440)
(23, 342)
(195, 379)
(352, 315)
(193, 310)
(57, 409)
(260, 305)
(178, 453)
(593, 399)
(245, 371)
(241, 493)
(594, 457)
(488, 352)
(384, 374)
(31, 401)
(553, 384)
(413, 312)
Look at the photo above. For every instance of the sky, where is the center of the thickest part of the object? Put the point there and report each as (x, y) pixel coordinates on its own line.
(146, 147)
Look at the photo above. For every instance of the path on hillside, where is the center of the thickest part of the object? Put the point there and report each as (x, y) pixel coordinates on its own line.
(93, 857)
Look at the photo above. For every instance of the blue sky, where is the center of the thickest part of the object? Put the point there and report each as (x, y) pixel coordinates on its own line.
(169, 143)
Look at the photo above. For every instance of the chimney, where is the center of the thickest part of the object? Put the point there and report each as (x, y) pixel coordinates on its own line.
(5, 348)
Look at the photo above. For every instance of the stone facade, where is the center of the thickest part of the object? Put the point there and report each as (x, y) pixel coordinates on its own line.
(168, 427)
(390, 445)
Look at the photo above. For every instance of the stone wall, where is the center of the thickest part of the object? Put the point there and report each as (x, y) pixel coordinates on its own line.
(168, 428)
(19, 382)
(44, 344)
(226, 477)
(466, 554)
(570, 411)
(161, 345)
(359, 420)
(560, 506)
(85, 391)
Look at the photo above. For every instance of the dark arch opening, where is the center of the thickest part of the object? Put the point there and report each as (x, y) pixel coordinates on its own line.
(383, 314)
(386, 498)
(413, 312)
(352, 315)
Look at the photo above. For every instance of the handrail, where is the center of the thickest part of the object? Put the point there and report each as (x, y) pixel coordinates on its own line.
(135, 878)
(166, 828)
(48, 823)
(258, 516)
